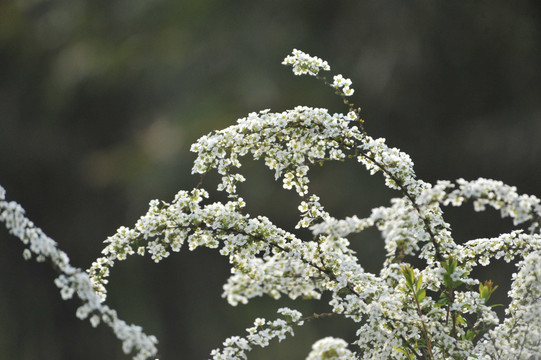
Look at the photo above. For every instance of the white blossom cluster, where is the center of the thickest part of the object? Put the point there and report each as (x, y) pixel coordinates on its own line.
(434, 311)
(483, 192)
(288, 141)
(260, 335)
(339, 82)
(305, 64)
(519, 336)
(73, 280)
(330, 348)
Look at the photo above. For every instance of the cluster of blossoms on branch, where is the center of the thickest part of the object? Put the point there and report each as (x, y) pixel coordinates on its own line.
(437, 311)
(72, 280)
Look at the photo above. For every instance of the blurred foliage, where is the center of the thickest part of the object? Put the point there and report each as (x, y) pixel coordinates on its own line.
(100, 101)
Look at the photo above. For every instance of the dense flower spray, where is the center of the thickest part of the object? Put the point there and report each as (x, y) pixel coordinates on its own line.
(438, 311)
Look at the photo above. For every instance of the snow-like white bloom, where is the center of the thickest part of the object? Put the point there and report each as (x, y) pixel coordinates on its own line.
(74, 281)
(339, 82)
(330, 348)
(433, 311)
(305, 64)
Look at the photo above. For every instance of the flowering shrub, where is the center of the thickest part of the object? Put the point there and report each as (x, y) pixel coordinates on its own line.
(436, 311)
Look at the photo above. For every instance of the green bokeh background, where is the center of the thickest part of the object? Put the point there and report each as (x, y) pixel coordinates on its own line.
(100, 101)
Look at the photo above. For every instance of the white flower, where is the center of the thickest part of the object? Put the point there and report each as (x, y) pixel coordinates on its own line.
(305, 64)
(330, 348)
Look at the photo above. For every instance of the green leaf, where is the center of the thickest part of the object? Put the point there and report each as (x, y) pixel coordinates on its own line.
(421, 294)
(407, 271)
(406, 352)
(452, 265)
(460, 320)
(400, 350)
(447, 280)
(470, 335)
(418, 283)
(443, 300)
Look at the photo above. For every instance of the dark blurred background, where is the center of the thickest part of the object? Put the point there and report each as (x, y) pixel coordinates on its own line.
(100, 101)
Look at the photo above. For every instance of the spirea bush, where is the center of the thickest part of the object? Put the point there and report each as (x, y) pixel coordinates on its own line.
(434, 311)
